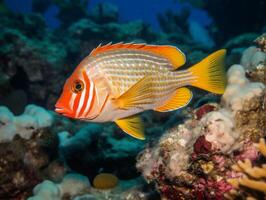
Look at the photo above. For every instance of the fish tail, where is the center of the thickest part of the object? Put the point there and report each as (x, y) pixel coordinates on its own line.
(209, 73)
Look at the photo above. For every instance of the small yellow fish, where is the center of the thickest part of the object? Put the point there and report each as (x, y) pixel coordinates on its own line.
(118, 81)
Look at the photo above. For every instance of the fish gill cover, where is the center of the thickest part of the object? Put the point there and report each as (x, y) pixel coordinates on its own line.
(211, 149)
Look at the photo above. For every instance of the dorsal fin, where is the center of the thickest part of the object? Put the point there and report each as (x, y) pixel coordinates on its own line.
(175, 56)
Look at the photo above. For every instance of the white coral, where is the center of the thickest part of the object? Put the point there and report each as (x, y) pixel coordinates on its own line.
(47, 190)
(71, 185)
(7, 128)
(42, 116)
(33, 118)
(218, 128)
(240, 89)
(252, 57)
(219, 125)
(148, 161)
(178, 162)
(25, 125)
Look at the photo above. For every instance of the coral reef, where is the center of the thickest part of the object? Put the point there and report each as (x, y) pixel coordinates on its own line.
(30, 59)
(28, 147)
(33, 119)
(26, 150)
(34, 58)
(71, 185)
(261, 42)
(102, 147)
(193, 159)
(45, 156)
(71, 11)
(105, 13)
(251, 177)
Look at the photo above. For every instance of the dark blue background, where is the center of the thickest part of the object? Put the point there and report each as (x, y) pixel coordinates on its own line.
(128, 10)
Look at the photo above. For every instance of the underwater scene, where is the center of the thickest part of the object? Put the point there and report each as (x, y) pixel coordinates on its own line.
(132, 100)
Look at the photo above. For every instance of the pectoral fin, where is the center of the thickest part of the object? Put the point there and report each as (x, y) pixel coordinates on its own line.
(133, 126)
(138, 95)
(179, 99)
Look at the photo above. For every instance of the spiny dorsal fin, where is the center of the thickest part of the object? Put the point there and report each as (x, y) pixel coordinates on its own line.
(133, 126)
(175, 56)
(179, 99)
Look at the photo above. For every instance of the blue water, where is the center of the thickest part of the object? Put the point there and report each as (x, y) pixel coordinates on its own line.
(146, 10)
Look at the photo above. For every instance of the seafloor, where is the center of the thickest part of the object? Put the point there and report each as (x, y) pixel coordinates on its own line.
(212, 149)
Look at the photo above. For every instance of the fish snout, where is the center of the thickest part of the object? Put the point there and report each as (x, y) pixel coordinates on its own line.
(62, 109)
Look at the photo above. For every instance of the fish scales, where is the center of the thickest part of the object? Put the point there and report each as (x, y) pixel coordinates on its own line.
(124, 68)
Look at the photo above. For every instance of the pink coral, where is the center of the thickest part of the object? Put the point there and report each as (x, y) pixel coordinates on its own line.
(219, 160)
(202, 145)
(249, 152)
(211, 189)
(200, 112)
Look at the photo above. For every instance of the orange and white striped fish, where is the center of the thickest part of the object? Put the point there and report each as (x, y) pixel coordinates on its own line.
(118, 81)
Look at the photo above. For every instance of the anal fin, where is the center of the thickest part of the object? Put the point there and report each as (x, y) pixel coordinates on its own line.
(132, 125)
(179, 99)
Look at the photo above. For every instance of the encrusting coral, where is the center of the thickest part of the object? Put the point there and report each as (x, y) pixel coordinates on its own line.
(33, 118)
(192, 160)
(71, 185)
(254, 60)
(261, 42)
(251, 178)
(27, 149)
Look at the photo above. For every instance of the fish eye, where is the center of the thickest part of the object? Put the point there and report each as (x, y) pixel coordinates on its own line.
(77, 86)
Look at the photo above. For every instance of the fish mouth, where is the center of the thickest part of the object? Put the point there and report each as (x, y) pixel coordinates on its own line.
(63, 111)
(60, 110)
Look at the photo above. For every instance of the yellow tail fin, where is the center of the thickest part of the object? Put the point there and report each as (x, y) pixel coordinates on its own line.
(210, 73)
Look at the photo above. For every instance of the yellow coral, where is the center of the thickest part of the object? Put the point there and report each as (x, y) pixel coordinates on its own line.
(105, 181)
(207, 167)
(256, 185)
(262, 147)
(253, 177)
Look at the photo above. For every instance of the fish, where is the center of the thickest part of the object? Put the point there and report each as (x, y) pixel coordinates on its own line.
(116, 82)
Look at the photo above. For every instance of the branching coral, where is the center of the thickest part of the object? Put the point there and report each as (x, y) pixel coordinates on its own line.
(252, 177)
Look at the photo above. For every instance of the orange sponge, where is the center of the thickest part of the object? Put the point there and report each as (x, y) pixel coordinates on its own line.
(105, 181)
